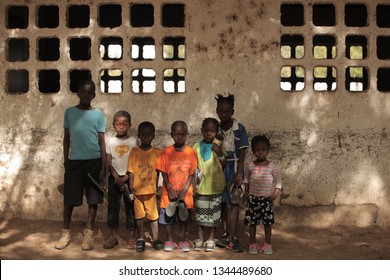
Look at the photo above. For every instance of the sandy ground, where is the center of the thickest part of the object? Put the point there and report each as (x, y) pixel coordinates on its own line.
(34, 240)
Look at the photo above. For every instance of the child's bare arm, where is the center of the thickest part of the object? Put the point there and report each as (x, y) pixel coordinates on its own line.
(66, 145)
(240, 167)
(102, 144)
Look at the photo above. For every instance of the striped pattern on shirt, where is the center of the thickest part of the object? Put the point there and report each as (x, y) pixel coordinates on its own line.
(262, 179)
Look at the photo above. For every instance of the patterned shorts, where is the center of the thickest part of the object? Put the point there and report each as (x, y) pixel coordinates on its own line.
(259, 211)
(208, 210)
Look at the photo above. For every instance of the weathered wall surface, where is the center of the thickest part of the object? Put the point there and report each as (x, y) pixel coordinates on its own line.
(332, 147)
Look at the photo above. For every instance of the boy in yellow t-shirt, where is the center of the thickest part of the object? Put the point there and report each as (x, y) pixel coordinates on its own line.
(143, 183)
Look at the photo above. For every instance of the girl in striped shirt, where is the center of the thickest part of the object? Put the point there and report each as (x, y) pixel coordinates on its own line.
(263, 183)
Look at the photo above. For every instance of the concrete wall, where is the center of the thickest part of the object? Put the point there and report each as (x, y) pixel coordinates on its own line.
(332, 147)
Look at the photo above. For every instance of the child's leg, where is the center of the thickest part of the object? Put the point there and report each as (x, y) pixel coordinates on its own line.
(200, 232)
(233, 219)
(252, 234)
(267, 233)
(183, 231)
(68, 210)
(212, 232)
(154, 227)
(113, 209)
(168, 229)
(92, 210)
(140, 228)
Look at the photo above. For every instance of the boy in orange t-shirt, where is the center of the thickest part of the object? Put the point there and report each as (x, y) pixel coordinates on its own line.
(177, 163)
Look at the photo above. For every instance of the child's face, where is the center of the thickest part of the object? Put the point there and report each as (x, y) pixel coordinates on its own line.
(86, 94)
(146, 136)
(209, 132)
(225, 112)
(121, 125)
(179, 135)
(261, 150)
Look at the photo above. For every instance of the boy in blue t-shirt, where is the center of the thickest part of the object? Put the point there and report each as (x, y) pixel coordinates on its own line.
(84, 154)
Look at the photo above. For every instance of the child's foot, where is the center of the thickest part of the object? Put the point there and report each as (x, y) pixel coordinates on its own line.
(209, 246)
(184, 246)
(222, 242)
(64, 240)
(110, 242)
(158, 245)
(87, 240)
(267, 249)
(131, 244)
(140, 247)
(234, 245)
(198, 245)
(168, 246)
(253, 249)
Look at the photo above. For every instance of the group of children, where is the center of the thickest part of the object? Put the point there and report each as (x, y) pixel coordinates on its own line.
(197, 177)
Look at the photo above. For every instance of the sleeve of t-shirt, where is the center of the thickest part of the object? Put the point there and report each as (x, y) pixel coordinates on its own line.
(194, 162)
(130, 161)
(108, 147)
(277, 177)
(101, 123)
(161, 162)
(244, 142)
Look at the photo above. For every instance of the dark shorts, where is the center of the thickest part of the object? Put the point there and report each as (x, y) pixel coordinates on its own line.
(165, 220)
(259, 211)
(76, 181)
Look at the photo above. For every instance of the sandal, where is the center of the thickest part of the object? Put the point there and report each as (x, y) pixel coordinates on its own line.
(158, 245)
(110, 242)
(140, 247)
(131, 244)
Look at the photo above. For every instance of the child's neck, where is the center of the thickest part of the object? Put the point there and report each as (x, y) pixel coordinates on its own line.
(124, 136)
(145, 147)
(263, 162)
(227, 125)
(179, 148)
(82, 106)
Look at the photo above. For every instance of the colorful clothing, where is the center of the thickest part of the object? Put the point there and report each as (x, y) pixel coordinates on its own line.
(262, 179)
(142, 164)
(83, 126)
(119, 149)
(213, 179)
(178, 166)
(208, 210)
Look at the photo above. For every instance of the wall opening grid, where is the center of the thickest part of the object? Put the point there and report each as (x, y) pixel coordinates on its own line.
(155, 62)
(326, 35)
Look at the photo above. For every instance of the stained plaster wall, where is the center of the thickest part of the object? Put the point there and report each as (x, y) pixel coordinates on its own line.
(332, 147)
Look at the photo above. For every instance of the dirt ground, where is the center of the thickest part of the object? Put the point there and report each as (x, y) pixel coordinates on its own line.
(34, 240)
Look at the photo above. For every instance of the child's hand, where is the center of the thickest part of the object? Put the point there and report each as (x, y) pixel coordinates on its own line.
(120, 181)
(216, 149)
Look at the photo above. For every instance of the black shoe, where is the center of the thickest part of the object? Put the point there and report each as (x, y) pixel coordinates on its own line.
(158, 245)
(140, 247)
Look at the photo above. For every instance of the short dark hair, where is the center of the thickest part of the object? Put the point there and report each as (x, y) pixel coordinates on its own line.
(145, 125)
(260, 139)
(213, 121)
(84, 82)
(122, 113)
(179, 123)
(225, 99)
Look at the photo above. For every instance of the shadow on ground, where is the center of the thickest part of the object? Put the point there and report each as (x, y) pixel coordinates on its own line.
(35, 239)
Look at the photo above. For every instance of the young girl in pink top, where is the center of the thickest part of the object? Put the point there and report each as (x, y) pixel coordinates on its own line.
(262, 185)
